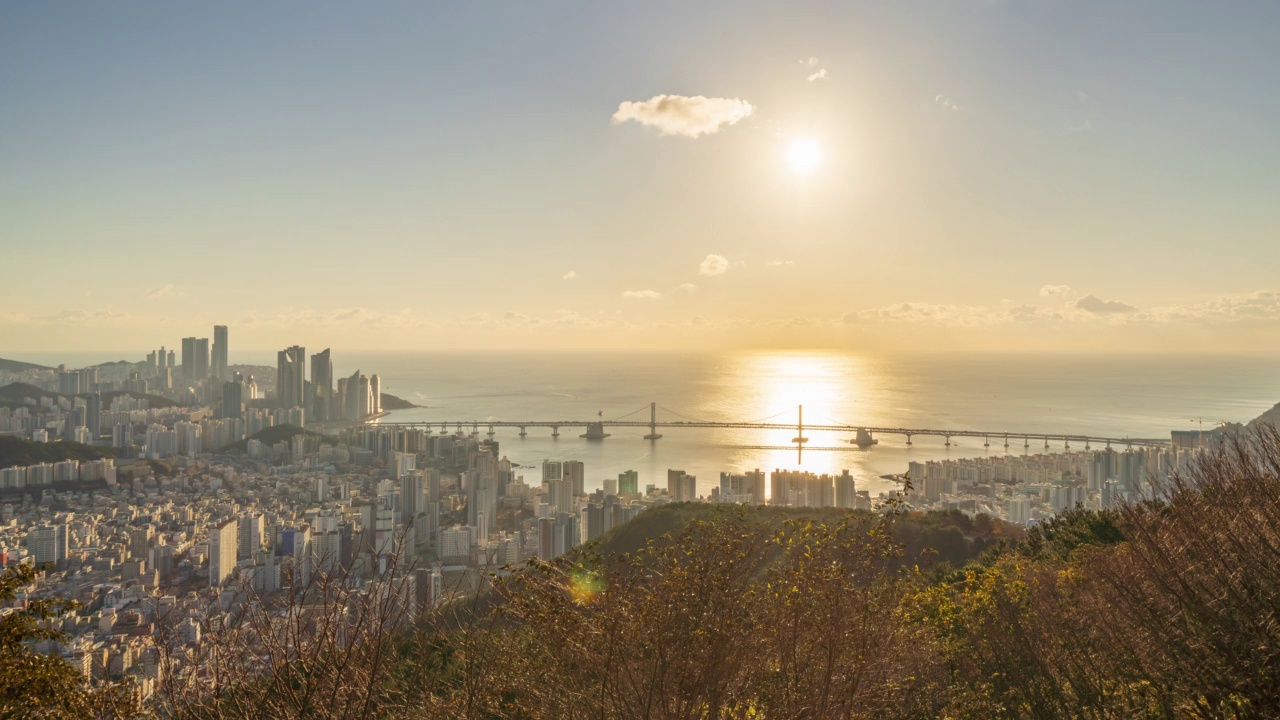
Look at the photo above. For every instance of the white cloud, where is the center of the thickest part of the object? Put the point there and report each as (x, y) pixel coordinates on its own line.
(713, 265)
(685, 116)
(779, 263)
(820, 75)
(810, 61)
(689, 287)
(1053, 290)
(569, 275)
(1098, 306)
(161, 291)
(946, 102)
(641, 294)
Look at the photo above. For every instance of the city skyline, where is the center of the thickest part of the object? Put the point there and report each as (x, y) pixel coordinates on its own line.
(872, 177)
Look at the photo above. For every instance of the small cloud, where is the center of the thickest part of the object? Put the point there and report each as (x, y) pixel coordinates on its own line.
(820, 75)
(689, 287)
(686, 116)
(161, 291)
(810, 61)
(569, 275)
(641, 294)
(779, 263)
(946, 102)
(1054, 290)
(713, 265)
(1098, 306)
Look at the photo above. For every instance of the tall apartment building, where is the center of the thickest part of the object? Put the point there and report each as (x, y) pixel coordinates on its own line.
(223, 543)
(218, 363)
(322, 386)
(291, 377)
(195, 360)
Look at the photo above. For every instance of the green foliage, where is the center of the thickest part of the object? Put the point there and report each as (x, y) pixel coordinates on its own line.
(16, 451)
(275, 434)
(33, 685)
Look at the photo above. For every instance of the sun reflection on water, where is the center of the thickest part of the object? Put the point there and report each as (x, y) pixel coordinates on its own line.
(772, 386)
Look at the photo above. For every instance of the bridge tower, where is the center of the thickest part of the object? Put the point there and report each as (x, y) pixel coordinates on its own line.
(653, 422)
(800, 439)
(908, 439)
(523, 432)
(555, 431)
(864, 439)
(490, 431)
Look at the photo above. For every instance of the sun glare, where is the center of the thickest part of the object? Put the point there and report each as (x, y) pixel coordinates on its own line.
(804, 155)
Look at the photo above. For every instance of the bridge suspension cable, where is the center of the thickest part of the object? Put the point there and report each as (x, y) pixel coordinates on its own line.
(640, 409)
(682, 415)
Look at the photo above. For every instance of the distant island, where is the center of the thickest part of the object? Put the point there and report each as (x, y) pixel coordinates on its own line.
(391, 402)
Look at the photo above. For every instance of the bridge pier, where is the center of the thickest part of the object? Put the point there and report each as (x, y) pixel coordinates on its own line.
(948, 443)
(595, 431)
(523, 432)
(1046, 443)
(908, 439)
(490, 432)
(1086, 444)
(555, 431)
(1026, 443)
(1066, 444)
(1006, 442)
(864, 439)
(459, 428)
(444, 428)
(986, 442)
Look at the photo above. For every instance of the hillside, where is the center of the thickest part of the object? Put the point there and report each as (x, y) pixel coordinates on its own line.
(19, 366)
(16, 451)
(1271, 417)
(391, 402)
(951, 537)
(275, 434)
(14, 394)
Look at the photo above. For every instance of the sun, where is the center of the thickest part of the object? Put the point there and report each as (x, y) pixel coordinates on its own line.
(804, 155)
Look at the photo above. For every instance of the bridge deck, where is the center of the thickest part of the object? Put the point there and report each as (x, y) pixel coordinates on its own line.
(908, 432)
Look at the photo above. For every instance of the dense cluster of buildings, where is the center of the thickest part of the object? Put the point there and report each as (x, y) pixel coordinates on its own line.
(1023, 488)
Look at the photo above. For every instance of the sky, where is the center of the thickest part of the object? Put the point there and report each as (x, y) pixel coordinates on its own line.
(892, 175)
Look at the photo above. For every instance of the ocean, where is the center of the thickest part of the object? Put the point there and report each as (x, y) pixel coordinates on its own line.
(1111, 396)
(1133, 396)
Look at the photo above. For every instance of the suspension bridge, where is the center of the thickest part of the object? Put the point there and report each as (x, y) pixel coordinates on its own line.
(862, 436)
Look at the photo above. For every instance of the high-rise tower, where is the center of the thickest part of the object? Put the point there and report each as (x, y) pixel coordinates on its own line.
(291, 377)
(218, 363)
(322, 386)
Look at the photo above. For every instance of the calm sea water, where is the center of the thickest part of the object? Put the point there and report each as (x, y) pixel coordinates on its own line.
(1128, 396)
(1113, 396)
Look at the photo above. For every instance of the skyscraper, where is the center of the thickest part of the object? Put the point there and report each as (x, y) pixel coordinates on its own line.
(322, 386)
(195, 360)
(93, 415)
(352, 401)
(224, 541)
(291, 377)
(218, 364)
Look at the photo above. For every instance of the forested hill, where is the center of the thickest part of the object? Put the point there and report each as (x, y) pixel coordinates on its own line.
(16, 451)
(17, 366)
